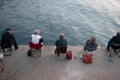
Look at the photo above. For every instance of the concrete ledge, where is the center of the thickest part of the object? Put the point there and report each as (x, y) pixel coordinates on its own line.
(21, 67)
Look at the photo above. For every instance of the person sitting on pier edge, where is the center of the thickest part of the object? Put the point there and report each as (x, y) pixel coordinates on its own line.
(36, 41)
(91, 44)
(7, 40)
(61, 45)
(114, 42)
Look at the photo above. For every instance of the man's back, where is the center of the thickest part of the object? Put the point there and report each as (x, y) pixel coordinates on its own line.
(6, 40)
(61, 42)
(7, 37)
(116, 39)
(114, 42)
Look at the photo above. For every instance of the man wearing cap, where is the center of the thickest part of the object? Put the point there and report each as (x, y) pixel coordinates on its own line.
(7, 39)
(114, 42)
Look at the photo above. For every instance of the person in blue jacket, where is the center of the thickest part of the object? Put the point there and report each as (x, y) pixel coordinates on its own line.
(91, 44)
(114, 42)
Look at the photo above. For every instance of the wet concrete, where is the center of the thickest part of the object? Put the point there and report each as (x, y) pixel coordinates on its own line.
(21, 67)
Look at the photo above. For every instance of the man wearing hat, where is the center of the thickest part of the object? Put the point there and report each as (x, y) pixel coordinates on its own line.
(7, 39)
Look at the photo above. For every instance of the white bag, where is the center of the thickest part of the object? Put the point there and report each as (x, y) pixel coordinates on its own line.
(1, 56)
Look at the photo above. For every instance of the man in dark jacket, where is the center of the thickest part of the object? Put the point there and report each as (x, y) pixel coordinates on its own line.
(114, 42)
(61, 41)
(61, 45)
(7, 39)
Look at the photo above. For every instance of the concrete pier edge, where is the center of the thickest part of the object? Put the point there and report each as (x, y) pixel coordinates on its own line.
(19, 66)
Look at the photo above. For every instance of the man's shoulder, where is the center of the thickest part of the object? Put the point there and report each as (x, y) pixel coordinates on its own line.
(64, 39)
(58, 40)
(6, 33)
(115, 37)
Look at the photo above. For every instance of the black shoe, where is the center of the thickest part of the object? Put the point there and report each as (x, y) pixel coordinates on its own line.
(110, 55)
(108, 49)
(16, 48)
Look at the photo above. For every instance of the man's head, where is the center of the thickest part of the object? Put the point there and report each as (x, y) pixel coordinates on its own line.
(93, 38)
(36, 32)
(62, 35)
(118, 33)
(9, 30)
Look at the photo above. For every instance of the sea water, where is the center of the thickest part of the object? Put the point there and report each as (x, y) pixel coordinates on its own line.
(77, 19)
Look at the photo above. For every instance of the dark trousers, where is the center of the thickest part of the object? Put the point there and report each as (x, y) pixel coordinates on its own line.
(9, 45)
(60, 49)
(115, 47)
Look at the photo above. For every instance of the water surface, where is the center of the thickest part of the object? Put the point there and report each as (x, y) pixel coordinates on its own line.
(77, 19)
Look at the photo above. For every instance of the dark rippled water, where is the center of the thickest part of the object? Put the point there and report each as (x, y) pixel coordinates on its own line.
(77, 19)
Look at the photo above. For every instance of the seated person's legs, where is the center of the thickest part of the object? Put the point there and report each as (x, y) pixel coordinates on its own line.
(115, 47)
(35, 48)
(6, 46)
(109, 45)
(84, 48)
(59, 50)
(15, 45)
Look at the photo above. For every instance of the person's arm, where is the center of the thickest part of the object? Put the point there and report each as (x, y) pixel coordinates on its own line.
(56, 43)
(96, 45)
(31, 38)
(41, 40)
(13, 39)
(2, 42)
(87, 42)
(109, 44)
(14, 42)
(66, 42)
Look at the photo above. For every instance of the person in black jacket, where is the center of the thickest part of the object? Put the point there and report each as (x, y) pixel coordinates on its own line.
(114, 42)
(7, 40)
